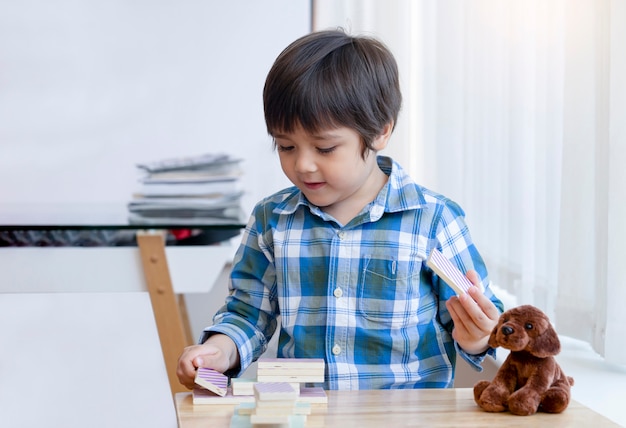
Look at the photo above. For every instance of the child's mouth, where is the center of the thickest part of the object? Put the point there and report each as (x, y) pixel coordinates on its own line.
(314, 186)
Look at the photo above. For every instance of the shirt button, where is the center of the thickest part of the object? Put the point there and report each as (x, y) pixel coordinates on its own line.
(341, 234)
(336, 350)
(338, 293)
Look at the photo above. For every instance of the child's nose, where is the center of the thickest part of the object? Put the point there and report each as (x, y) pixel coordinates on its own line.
(305, 163)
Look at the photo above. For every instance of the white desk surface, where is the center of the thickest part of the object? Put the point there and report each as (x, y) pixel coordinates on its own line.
(81, 360)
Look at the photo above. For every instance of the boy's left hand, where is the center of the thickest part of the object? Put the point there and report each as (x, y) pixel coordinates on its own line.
(474, 316)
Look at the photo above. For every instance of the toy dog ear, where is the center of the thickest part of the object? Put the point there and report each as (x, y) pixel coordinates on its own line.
(546, 344)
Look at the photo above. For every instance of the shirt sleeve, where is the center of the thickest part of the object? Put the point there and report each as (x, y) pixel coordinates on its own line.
(249, 316)
(453, 239)
(475, 360)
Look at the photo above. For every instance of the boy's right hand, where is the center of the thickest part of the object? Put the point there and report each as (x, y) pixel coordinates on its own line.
(219, 352)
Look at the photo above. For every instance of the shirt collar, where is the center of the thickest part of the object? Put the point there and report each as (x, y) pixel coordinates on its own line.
(399, 194)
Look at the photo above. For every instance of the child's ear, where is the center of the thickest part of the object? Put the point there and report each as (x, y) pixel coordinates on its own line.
(381, 141)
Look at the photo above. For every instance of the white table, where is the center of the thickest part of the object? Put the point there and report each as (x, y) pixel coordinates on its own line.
(96, 331)
(81, 359)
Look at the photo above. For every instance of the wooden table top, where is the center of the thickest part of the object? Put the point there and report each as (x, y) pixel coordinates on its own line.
(398, 408)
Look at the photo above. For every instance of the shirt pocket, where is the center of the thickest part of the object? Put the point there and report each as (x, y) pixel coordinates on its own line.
(388, 293)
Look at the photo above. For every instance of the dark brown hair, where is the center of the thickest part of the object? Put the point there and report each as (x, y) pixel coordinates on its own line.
(329, 79)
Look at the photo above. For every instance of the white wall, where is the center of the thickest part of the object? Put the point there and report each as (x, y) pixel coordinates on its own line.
(90, 88)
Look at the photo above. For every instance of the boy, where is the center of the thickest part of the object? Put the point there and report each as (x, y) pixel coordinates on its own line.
(341, 256)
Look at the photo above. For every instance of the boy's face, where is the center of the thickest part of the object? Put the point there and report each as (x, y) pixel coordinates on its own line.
(328, 167)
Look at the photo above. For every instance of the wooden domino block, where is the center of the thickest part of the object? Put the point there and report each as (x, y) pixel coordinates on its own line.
(313, 395)
(242, 386)
(291, 363)
(302, 409)
(294, 379)
(212, 380)
(275, 404)
(274, 391)
(204, 396)
(250, 408)
(448, 272)
(295, 370)
(245, 421)
(246, 409)
(269, 419)
(286, 409)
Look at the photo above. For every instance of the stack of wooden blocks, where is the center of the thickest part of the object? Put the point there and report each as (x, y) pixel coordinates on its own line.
(277, 397)
(290, 370)
(275, 404)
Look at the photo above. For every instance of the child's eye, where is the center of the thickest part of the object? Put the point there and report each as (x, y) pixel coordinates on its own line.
(284, 148)
(325, 151)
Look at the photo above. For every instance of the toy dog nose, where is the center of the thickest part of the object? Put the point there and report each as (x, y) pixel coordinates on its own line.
(506, 330)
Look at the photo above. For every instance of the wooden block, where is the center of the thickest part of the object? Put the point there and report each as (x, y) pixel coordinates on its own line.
(448, 272)
(242, 386)
(277, 405)
(245, 409)
(290, 378)
(302, 409)
(204, 396)
(274, 391)
(293, 363)
(293, 370)
(313, 395)
(288, 409)
(250, 408)
(240, 421)
(246, 386)
(288, 371)
(244, 421)
(212, 380)
(269, 419)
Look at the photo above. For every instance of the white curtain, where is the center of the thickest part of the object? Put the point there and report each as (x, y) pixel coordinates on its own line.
(517, 110)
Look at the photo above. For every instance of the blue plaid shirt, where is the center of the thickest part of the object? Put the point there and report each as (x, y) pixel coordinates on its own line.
(360, 296)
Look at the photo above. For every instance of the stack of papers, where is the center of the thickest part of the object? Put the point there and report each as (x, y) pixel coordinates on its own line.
(204, 189)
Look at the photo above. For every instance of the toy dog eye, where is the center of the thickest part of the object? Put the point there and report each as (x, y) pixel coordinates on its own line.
(528, 326)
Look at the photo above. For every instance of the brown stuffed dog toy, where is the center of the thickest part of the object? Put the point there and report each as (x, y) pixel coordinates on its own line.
(530, 378)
